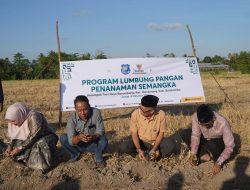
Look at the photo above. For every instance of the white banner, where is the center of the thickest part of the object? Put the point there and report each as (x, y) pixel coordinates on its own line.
(112, 83)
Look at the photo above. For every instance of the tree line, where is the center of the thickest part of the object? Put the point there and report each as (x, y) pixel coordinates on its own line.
(47, 66)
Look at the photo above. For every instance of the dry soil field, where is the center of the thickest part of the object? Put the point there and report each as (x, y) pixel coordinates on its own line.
(124, 171)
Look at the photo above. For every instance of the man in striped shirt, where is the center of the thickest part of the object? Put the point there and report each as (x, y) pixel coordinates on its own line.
(211, 138)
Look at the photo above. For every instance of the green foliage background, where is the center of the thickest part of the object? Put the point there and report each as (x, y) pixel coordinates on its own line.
(47, 66)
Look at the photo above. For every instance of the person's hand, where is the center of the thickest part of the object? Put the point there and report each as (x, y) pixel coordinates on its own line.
(7, 151)
(154, 154)
(86, 137)
(15, 151)
(193, 160)
(141, 155)
(216, 168)
(82, 137)
(1, 107)
(90, 138)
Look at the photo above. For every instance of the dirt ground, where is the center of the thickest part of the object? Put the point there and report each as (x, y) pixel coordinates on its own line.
(127, 172)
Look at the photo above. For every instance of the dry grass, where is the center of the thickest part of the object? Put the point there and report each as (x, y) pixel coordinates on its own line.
(43, 95)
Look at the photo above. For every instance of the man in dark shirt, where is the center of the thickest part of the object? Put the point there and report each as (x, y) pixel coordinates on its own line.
(85, 132)
(1, 96)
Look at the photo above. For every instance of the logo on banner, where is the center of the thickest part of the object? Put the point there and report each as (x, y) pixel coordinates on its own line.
(66, 71)
(139, 69)
(193, 99)
(125, 69)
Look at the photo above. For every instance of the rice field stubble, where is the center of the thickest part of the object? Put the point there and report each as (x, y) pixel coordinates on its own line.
(43, 95)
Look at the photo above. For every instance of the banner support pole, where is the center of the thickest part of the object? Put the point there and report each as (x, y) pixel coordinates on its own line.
(192, 41)
(59, 60)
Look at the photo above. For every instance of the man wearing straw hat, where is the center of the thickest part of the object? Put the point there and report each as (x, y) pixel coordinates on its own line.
(147, 127)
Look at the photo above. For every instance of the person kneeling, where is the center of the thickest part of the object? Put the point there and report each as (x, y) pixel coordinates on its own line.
(147, 127)
(33, 142)
(211, 138)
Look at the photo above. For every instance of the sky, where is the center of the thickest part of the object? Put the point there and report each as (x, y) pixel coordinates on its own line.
(124, 28)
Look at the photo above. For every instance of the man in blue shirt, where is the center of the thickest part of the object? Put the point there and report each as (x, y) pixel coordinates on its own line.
(85, 132)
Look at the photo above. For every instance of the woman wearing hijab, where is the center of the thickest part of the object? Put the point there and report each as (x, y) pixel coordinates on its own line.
(32, 140)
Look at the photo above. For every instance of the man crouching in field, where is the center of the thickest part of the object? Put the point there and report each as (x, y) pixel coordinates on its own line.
(211, 138)
(85, 132)
(147, 127)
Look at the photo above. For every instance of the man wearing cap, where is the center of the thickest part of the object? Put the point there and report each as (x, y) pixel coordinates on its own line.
(147, 127)
(211, 138)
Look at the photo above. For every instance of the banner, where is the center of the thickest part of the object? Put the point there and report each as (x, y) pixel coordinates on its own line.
(112, 83)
